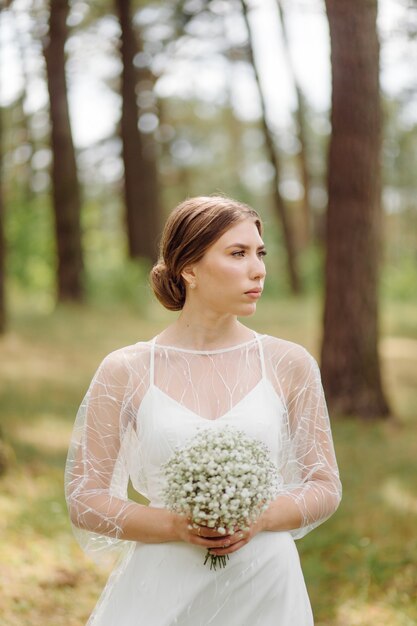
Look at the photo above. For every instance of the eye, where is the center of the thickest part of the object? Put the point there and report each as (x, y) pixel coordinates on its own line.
(262, 253)
(238, 253)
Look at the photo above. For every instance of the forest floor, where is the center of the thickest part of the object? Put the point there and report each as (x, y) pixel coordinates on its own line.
(360, 566)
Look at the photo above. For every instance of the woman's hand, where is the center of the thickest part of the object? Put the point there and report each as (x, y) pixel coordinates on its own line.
(218, 544)
(203, 536)
(239, 539)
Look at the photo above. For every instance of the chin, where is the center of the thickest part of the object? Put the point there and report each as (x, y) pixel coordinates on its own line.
(247, 311)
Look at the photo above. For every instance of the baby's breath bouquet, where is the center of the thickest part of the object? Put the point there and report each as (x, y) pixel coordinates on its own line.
(222, 479)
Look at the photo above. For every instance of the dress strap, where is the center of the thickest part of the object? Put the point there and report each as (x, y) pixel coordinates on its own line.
(261, 354)
(152, 363)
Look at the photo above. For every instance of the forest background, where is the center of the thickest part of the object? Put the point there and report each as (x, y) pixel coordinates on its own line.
(112, 113)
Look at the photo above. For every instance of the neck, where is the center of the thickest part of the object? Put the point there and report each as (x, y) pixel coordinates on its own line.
(205, 330)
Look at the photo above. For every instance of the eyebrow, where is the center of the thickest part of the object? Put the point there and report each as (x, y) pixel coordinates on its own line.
(244, 246)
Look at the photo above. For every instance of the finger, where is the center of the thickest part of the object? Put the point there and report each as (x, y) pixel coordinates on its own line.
(205, 531)
(238, 536)
(228, 549)
(236, 541)
(210, 543)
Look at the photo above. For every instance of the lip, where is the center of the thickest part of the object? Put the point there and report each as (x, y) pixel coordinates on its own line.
(254, 292)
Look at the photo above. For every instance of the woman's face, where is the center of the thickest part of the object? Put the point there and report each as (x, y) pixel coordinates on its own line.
(230, 276)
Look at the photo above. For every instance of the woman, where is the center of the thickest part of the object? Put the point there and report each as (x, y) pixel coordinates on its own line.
(204, 370)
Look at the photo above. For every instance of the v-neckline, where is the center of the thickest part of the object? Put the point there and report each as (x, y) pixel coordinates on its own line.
(208, 419)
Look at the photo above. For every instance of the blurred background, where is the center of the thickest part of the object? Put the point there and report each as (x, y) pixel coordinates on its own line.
(114, 112)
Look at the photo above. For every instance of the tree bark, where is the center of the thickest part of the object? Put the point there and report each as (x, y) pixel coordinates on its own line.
(65, 186)
(300, 116)
(139, 152)
(2, 237)
(279, 203)
(3, 449)
(350, 363)
(25, 131)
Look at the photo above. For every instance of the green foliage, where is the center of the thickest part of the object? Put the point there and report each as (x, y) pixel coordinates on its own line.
(29, 232)
(373, 561)
(126, 282)
(310, 264)
(311, 270)
(399, 278)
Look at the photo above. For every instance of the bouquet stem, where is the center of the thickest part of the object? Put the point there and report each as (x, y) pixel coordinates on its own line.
(216, 560)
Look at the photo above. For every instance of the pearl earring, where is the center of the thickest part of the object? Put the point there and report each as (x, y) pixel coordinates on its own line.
(192, 285)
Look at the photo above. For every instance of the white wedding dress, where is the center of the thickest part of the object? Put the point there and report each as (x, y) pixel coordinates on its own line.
(144, 401)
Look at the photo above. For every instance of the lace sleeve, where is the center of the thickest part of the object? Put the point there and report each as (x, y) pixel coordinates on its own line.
(309, 468)
(97, 468)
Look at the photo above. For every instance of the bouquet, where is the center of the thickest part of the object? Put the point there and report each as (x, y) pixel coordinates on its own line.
(221, 479)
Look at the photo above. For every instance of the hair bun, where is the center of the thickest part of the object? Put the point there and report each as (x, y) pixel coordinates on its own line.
(169, 290)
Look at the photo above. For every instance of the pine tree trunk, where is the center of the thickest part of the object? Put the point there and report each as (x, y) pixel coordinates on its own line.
(25, 122)
(2, 238)
(139, 154)
(301, 120)
(280, 207)
(66, 192)
(350, 363)
(4, 461)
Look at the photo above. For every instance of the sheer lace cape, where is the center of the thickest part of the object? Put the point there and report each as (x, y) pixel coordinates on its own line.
(106, 449)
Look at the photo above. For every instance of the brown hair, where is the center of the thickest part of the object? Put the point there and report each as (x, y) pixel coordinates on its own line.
(191, 228)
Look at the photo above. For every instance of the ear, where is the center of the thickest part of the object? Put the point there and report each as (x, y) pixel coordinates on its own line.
(189, 276)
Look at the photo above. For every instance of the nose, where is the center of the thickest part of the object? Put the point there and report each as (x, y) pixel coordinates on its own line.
(258, 270)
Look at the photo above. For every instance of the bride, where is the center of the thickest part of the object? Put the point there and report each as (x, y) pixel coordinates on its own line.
(205, 370)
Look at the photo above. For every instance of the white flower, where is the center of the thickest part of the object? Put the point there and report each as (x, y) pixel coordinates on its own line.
(222, 479)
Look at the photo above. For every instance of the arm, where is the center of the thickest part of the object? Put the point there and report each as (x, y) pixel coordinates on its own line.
(313, 488)
(97, 471)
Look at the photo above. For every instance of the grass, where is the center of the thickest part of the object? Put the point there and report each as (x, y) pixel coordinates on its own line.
(360, 566)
